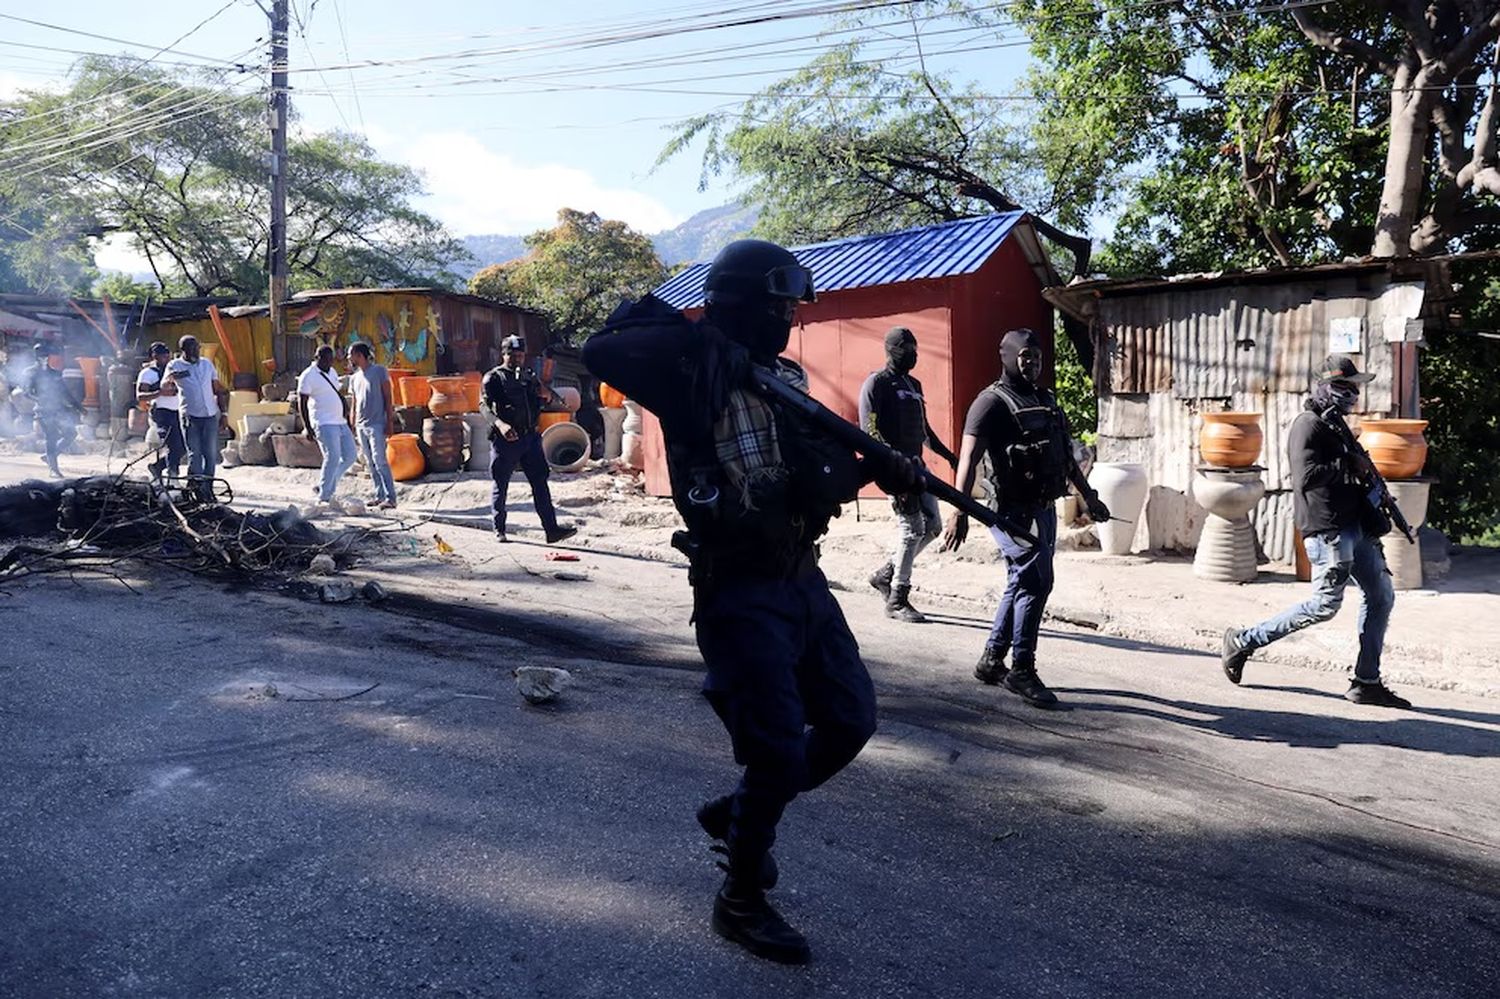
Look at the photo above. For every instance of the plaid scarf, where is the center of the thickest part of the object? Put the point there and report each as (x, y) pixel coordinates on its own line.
(746, 441)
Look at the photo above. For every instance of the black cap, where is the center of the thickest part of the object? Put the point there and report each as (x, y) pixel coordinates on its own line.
(46, 347)
(157, 347)
(1341, 368)
(513, 343)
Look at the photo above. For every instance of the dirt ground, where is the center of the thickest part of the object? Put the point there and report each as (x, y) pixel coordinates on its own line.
(1444, 637)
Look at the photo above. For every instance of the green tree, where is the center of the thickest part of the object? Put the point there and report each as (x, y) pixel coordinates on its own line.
(575, 273)
(845, 146)
(178, 164)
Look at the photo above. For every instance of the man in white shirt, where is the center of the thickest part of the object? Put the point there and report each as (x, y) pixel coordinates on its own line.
(153, 389)
(322, 407)
(204, 399)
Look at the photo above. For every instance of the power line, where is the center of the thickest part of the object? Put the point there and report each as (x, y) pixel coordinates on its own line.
(126, 41)
(338, 16)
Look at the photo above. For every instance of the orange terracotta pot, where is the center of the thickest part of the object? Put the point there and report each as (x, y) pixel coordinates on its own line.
(397, 375)
(1230, 440)
(404, 452)
(473, 389)
(414, 391)
(610, 397)
(90, 367)
(545, 420)
(1397, 447)
(448, 396)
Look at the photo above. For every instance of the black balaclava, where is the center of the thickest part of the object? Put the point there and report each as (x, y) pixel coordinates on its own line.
(900, 350)
(762, 326)
(1340, 396)
(1010, 358)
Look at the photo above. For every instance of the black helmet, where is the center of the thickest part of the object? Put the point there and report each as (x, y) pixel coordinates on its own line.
(751, 270)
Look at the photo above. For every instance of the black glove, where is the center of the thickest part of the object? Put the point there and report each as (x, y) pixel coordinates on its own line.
(899, 475)
(1098, 512)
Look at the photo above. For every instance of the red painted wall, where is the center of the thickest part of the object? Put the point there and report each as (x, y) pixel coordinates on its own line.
(958, 323)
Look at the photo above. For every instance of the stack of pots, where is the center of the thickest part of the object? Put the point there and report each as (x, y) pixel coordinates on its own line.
(444, 440)
(1228, 486)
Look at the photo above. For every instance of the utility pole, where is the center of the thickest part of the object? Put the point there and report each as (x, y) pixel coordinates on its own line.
(277, 249)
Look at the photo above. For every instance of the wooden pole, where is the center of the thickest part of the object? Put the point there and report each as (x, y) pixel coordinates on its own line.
(108, 336)
(234, 365)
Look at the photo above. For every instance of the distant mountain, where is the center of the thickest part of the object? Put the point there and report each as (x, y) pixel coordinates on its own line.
(486, 250)
(699, 238)
(703, 235)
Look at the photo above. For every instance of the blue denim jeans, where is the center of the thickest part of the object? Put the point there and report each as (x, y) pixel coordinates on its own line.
(1027, 586)
(337, 442)
(202, 436)
(1337, 558)
(372, 445)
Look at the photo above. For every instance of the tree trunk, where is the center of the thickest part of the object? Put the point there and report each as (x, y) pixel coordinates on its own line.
(1404, 164)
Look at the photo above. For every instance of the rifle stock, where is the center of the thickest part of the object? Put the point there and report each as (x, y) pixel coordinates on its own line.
(766, 383)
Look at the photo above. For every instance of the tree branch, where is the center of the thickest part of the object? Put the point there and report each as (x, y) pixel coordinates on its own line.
(1342, 44)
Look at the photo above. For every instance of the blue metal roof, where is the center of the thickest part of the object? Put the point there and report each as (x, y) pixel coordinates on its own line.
(929, 251)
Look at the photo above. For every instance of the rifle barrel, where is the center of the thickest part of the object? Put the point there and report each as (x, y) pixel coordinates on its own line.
(766, 382)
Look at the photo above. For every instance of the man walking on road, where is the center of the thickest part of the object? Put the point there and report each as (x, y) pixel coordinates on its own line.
(374, 419)
(513, 397)
(1023, 429)
(1341, 529)
(55, 411)
(321, 405)
(892, 410)
(204, 400)
(756, 489)
(153, 388)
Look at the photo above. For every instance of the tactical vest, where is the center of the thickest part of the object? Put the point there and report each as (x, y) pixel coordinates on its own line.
(1033, 470)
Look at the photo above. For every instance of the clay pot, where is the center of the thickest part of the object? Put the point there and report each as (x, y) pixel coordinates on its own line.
(610, 398)
(397, 375)
(566, 446)
(413, 391)
(448, 396)
(1397, 447)
(404, 453)
(1230, 440)
(473, 390)
(90, 366)
(614, 430)
(544, 421)
(1122, 486)
(444, 437)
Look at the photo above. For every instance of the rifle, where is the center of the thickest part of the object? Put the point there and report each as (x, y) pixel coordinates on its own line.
(1377, 493)
(764, 381)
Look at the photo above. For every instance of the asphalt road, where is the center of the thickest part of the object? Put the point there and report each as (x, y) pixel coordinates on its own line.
(391, 820)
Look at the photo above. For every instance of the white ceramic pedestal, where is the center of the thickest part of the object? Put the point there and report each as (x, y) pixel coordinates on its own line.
(1226, 550)
(1122, 486)
(614, 430)
(1401, 557)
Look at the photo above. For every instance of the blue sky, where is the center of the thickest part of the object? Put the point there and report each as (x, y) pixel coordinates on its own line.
(511, 110)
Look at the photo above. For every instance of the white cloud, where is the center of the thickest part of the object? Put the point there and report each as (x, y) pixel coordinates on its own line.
(475, 190)
(114, 253)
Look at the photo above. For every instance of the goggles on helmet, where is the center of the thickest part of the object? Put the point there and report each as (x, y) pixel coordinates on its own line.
(791, 281)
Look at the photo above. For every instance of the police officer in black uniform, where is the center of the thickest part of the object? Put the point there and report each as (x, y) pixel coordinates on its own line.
(756, 489)
(1025, 433)
(56, 411)
(513, 398)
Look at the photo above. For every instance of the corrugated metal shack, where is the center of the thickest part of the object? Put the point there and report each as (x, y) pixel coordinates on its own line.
(1168, 350)
(957, 285)
(426, 329)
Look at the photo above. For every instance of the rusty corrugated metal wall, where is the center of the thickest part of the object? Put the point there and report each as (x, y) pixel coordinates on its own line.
(1169, 355)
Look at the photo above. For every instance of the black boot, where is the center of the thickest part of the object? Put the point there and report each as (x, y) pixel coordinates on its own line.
(991, 668)
(881, 579)
(898, 606)
(714, 817)
(1023, 681)
(742, 914)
